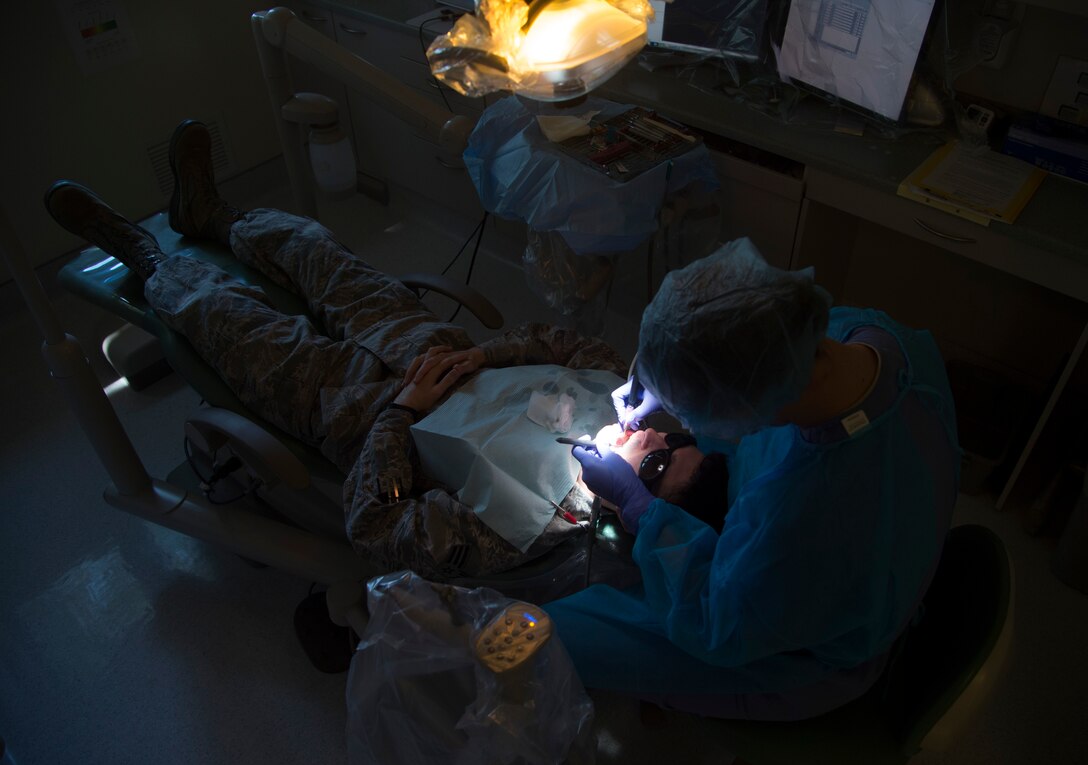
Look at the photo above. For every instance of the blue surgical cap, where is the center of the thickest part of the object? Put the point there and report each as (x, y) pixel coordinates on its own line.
(729, 340)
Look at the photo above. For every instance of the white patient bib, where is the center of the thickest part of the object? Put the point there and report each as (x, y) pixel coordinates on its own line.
(481, 444)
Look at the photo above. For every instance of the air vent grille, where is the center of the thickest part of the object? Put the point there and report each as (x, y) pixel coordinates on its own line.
(159, 154)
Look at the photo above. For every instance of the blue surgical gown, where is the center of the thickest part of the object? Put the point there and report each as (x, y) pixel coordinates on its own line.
(826, 551)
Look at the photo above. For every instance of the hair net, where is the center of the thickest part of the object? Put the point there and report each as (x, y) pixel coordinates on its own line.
(728, 340)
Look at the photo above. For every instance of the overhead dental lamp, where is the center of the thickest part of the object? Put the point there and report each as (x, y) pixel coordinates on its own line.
(547, 50)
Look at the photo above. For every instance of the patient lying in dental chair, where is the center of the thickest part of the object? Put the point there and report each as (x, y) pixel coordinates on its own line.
(371, 366)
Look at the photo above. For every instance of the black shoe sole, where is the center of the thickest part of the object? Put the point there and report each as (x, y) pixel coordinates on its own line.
(175, 198)
(58, 185)
(328, 646)
(48, 197)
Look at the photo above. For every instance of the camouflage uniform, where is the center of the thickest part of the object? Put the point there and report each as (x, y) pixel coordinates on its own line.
(328, 380)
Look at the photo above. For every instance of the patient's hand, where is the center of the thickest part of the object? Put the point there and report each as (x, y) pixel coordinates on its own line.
(472, 359)
(433, 373)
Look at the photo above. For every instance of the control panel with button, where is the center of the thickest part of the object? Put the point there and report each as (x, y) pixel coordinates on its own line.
(513, 636)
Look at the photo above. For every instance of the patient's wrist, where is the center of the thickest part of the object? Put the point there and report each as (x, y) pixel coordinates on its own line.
(495, 353)
(415, 413)
(478, 356)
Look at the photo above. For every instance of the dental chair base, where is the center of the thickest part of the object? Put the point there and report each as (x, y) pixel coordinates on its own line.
(246, 533)
(136, 355)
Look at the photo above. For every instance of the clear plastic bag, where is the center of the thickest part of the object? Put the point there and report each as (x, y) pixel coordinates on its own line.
(539, 50)
(419, 693)
(570, 566)
(571, 284)
(519, 174)
(763, 82)
(577, 286)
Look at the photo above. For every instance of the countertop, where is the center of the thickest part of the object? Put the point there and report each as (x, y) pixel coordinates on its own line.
(1051, 221)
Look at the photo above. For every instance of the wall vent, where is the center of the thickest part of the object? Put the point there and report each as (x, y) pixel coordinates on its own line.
(159, 154)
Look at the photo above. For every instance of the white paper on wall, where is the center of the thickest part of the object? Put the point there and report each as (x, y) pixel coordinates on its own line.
(99, 32)
(861, 51)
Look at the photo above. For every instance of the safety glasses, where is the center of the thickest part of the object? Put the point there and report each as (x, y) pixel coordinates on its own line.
(656, 462)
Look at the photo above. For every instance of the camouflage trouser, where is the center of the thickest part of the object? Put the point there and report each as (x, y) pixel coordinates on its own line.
(324, 387)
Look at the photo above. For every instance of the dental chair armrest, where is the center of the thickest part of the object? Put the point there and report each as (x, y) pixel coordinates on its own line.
(263, 455)
(472, 299)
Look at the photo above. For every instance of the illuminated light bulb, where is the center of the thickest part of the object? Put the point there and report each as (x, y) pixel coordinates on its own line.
(549, 50)
(569, 33)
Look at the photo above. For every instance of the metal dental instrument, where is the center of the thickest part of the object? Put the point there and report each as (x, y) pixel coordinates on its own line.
(594, 516)
(567, 515)
(634, 396)
(594, 513)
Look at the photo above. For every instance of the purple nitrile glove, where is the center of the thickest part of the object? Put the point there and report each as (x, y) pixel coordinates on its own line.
(612, 479)
(629, 416)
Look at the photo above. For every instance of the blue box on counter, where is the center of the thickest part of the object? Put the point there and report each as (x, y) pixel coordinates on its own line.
(1057, 147)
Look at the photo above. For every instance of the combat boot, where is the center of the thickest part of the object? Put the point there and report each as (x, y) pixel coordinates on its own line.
(80, 211)
(196, 209)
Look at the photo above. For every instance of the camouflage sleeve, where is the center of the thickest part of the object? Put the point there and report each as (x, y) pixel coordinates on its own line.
(396, 518)
(547, 344)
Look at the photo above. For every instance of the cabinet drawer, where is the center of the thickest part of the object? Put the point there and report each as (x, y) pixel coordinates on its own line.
(758, 203)
(398, 53)
(379, 44)
(951, 233)
(317, 17)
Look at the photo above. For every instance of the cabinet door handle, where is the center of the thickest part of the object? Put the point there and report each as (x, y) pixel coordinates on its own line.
(942, 235)
(352, 30)
(314, 17)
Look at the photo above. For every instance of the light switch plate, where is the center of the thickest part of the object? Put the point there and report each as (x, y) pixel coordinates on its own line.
(1066, 98)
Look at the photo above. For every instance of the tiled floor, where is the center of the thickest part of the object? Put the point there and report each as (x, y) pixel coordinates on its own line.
(123, 642)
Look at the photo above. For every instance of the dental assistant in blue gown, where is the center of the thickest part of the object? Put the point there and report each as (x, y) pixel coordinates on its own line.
(839, 428)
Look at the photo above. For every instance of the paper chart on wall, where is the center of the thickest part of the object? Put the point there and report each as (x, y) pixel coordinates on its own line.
(99, 33)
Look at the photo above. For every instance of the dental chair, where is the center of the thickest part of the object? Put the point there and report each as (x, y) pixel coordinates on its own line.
(290, 515)
(93, 274)
(304, 534)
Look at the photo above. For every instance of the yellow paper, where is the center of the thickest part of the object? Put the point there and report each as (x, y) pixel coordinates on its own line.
(916, 194)
(974, 183)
